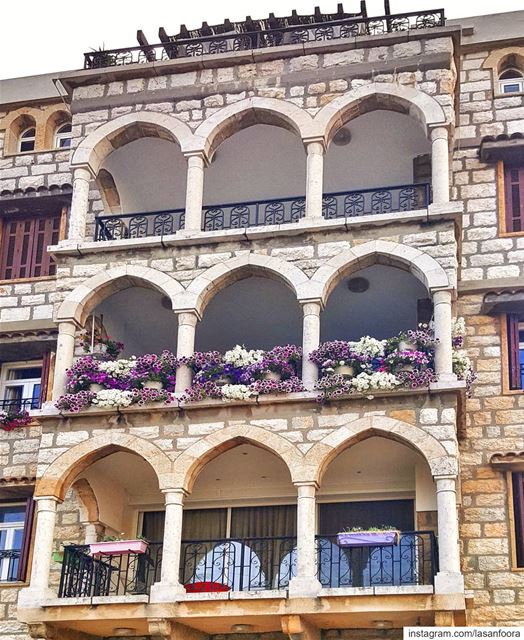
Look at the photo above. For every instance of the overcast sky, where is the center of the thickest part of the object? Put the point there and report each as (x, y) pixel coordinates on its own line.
(42, 36)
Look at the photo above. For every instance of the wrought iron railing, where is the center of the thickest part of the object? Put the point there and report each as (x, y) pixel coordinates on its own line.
(522, 376)
(9, 561)
(240, 564)
(139, 225)
(346, 28)
(410, 562)
(15, 405)
(239, 215)
(84, 575)
(369, 202)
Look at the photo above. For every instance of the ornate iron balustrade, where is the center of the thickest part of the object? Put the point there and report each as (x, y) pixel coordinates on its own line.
(84, 575)
(295, 34)
(239, 215)
(411, 562)
(19, 404)
(369, 202)
(139, 225)
(240, 564)
(9, 560)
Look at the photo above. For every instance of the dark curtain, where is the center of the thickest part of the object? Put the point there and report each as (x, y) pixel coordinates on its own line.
(204, 524)
(338, 516)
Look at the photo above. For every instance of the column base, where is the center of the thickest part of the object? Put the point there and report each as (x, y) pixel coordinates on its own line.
(33, 598)
(304, 587)
(449, 582)
(164, 592)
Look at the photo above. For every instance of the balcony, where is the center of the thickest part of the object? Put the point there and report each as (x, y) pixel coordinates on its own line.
(250, 564)
(243, 215)
(263, 34)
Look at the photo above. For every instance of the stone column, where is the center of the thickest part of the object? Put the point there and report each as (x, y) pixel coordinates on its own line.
(194, 191)
(187, 321)
(443, 347)
(440, 165)
(314, 179)
(310, 341)
(79, 204)
(169, 585)
(449, 578)
(38, 589)
(65, 349)
(306, 582)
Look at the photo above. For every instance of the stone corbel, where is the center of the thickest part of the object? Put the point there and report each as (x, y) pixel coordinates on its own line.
(164, 629)
(41, 631)
(297, 628)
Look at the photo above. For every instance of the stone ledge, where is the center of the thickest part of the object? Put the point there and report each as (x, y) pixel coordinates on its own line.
(435, 213)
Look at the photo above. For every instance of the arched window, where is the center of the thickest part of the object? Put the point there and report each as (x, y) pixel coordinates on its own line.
(511, 81)
(26, 141)
(63, 136)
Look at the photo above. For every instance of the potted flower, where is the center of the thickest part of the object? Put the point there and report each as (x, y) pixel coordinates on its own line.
(103, 347)
(337, 358)
(13, 419)
(115, 545)
(371, 537)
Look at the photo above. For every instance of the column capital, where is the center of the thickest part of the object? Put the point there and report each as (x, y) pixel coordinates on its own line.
(312, 307)
(83, 172)
(40, 500)
(439, 132)
(315, 145)
(187, 316)
(313, 484)
(175, 491)
(442, 295)
(196, 157)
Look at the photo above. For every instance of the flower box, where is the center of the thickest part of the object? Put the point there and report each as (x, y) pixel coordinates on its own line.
(345, 370)
(368, 538)
(153, 384)
(118, 547)
(272, 375)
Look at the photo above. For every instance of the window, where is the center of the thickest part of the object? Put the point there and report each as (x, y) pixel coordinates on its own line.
(16, 519)
(518, 514)
(27, 140)
(25, 240)
(20, 385)
(511, 81)
(515, 328)
(63, 136)
(514, 197)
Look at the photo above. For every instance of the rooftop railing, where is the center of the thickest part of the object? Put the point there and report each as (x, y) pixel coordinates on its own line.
(255, 213)
(346, 28)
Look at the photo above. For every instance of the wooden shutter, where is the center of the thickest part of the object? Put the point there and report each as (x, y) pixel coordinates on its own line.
(26, 539)
(47, 363)
(24, 244)
(513, 351)
(518, 510)
(514, 197)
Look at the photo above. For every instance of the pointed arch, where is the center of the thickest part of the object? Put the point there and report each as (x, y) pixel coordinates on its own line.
(205, 286)
(82, 300)
(379, 95)
(190, 462)
(59, 475)
(228, 120)
(439, 459)
(421, 265)
(95, 148)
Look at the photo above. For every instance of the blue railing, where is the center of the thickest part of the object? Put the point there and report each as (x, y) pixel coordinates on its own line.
(256, 213)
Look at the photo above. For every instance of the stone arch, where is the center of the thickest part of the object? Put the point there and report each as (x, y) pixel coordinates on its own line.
(379, 95)
(88, 500)
(226, 121)
(421, 265)
(109, 191)
(56, 118)
(82, 300)
(94, 149)
(497, 60)
(205, 286)
(58, 476)
(440, 461)
(191, 461)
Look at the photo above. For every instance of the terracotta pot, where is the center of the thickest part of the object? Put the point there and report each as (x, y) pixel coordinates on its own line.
(345, 370)
(272, 375)
(95, 387)
(153, 384)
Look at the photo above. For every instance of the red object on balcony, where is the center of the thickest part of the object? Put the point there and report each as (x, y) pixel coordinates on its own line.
(206, 587)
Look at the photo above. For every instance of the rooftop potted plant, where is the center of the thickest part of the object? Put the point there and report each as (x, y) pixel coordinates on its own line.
(116, 545)
(371, 537)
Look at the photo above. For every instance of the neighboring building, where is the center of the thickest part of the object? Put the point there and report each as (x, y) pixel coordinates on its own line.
(284, 181)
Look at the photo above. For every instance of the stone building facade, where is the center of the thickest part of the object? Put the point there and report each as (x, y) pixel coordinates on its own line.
(373, 161)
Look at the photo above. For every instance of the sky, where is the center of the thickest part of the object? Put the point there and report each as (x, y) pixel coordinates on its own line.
(52, 35)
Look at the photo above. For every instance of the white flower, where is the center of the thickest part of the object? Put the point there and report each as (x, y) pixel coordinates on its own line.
(242, 357)
(118, 368)
(113, 398)
(461, 362)
(237, 392)
(373, 381)
(368, 346)
(458, 327)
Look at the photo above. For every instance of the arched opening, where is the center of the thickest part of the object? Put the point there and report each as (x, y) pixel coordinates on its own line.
(511, 80)
(238, 314)
(370, 489)
(58, 130)
(379, 301)
(23, 132)
(239, 526)
(262, 164)
(374, 161)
